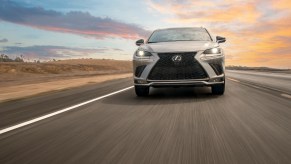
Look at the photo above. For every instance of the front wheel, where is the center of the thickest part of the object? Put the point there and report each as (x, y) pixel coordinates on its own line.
(142, 91)
(218, 89)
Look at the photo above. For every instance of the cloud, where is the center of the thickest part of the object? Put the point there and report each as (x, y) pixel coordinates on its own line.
(281, 4)
(57, 52)
(4, 40)
(75, 22)
(258, 32)
(206, 11)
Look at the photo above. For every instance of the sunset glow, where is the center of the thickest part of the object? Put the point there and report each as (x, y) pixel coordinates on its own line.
(258, 32)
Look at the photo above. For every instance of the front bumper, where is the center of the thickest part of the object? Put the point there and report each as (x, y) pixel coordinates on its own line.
(142, 78)
(197, 82)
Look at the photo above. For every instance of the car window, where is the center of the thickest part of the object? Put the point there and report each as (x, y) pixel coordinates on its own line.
(170, 35)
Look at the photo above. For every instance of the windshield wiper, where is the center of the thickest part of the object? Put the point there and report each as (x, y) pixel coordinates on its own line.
(176, 41)
(152, 42)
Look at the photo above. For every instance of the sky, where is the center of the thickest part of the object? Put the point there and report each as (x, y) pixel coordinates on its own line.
(258, 32)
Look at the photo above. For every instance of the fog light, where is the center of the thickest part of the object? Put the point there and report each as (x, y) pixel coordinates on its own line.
(216, 80)
(140, 81)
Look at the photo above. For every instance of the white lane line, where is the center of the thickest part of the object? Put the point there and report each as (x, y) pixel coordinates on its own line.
(60, 111)
(233, 79)
(286, 95)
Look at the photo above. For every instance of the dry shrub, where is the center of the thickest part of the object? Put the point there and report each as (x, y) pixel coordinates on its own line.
(5, 68)
(66, 66)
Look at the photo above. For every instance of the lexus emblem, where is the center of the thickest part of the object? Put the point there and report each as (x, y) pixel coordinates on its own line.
(177, 58)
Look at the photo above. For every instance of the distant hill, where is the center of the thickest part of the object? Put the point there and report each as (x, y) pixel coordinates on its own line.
(231, 67)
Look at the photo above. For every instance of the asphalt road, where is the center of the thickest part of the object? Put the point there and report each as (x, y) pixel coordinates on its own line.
(249, 124)
(278, 81)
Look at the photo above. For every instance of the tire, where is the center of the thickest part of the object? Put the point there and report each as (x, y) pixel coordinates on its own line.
(142, 91)
(218, 89)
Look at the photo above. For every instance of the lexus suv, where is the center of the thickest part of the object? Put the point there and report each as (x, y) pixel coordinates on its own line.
(176, 57)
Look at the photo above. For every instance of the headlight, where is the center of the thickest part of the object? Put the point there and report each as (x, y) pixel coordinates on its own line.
(141, 53)
(212, 51)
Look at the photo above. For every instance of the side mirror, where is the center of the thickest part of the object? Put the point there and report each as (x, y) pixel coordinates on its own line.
(220, 39)
(139, 42)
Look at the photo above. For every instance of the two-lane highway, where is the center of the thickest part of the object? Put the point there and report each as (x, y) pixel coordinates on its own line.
(173, 125)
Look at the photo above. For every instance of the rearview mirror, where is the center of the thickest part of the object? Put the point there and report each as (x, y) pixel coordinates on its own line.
(220, 39)
(139, 42)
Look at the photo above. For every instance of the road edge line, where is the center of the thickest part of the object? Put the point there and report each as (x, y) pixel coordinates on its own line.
(233, 79)
(259, 86)
(286, 95)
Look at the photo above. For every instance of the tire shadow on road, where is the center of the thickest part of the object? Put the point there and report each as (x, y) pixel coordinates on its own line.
(164, 96)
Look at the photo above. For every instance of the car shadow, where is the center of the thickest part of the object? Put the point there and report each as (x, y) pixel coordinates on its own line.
(164, 96)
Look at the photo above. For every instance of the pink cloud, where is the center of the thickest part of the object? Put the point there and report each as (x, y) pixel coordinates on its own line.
(75, 22)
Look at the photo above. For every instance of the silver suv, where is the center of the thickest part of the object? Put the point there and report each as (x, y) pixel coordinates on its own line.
(177, 57)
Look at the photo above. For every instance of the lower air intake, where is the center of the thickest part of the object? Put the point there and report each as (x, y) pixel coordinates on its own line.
(139, 70)
(217, 67)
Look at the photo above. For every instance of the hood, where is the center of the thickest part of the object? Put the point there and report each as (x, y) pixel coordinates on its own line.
(179, 46)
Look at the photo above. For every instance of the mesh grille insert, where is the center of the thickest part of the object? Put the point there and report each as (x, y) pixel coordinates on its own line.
(185, 69)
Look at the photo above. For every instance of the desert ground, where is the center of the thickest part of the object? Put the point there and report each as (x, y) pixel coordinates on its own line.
(20, 80)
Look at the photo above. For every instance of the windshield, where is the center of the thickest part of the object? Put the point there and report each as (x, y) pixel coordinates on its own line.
(182, 34)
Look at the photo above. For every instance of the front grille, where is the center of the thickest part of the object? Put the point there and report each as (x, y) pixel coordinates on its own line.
(186, 69)
(139, 70)
(217, 67)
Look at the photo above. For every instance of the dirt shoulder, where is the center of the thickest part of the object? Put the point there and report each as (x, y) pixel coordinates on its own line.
(26, 90)
(20, 80)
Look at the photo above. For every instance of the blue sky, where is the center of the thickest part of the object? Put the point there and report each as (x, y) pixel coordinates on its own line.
(24, 36)
(257, 31)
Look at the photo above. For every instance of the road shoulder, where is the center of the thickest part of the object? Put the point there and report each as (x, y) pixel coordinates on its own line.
(28, 90)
